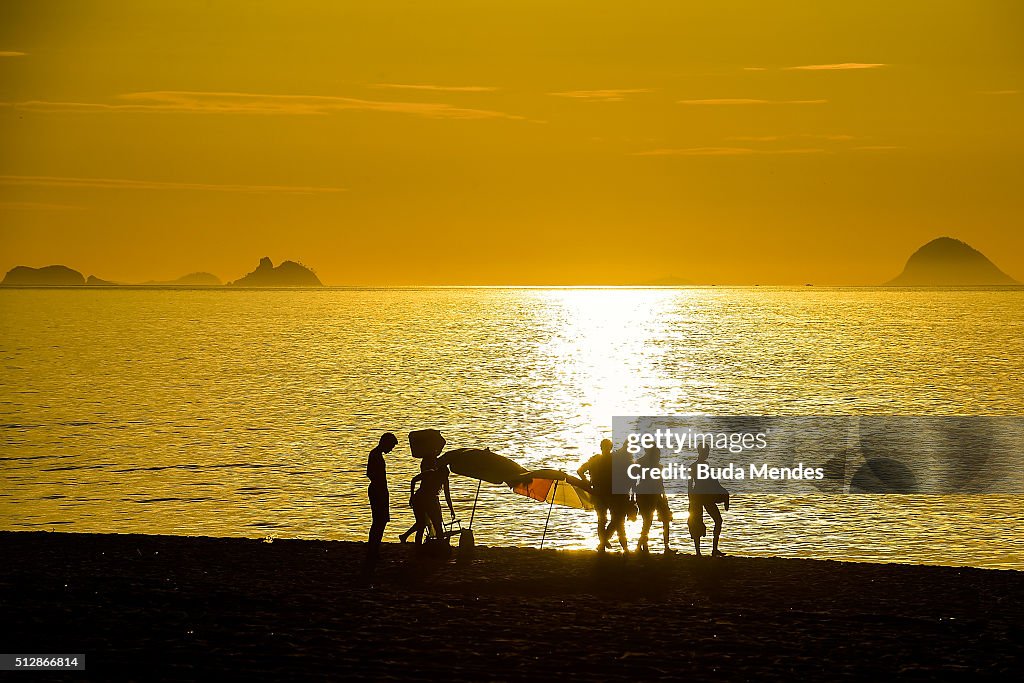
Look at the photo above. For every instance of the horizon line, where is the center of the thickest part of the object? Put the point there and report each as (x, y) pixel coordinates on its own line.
(230, 287)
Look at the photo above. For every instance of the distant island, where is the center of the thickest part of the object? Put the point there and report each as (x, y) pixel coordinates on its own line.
(94, 281)
(48, 276)
(288, 274)
(190, 280)
(948, 262)
(943, 262)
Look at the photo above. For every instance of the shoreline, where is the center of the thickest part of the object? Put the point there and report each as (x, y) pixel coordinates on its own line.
(171, 607)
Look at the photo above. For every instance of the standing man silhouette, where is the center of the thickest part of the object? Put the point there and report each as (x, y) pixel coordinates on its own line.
(380, 500)
(611, 512)
(650, 498)
(705, 494)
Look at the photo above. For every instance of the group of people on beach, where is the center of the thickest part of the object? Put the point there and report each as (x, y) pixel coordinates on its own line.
(645, 498)
(613, 508)
(424, 501)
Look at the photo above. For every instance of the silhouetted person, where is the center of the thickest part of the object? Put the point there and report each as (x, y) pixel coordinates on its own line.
(650, 498)
(424, 502)
(425, 464)
(380, 501)
(620, 506)
(598, 470)
(704, 494)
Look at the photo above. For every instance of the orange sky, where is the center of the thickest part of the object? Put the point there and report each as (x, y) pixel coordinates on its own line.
(510, 142)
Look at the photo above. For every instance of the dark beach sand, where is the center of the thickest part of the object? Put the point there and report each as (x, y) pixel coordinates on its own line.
(159, 607)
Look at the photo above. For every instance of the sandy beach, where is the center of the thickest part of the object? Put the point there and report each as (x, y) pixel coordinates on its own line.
(166, 607)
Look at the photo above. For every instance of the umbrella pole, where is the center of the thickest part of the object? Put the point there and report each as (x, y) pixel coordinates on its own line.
(550, 505)
(475, 499)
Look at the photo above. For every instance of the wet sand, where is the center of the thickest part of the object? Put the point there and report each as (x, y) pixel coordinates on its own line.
(167, 607)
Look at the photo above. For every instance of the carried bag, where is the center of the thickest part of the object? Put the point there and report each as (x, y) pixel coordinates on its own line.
(632, 510)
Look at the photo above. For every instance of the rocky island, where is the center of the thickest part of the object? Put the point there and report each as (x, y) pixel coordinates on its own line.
(288, 274)
(47, 276)
(94, 281)
(948, 262)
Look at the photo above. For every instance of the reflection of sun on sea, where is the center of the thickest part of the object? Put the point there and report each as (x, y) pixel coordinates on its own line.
(605, 355)
(579, 530)
(600, 359)
(604, 352)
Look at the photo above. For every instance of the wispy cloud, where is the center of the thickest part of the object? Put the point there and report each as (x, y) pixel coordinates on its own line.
(756, 138)
(999, 92)
(610, 95)
(38, 206)
(743, 100)
(722, 151)
(125, 184)
(879, 148)
(844, 66)
(776, 138)
(193, 102)
(436, 88)
(12, 53)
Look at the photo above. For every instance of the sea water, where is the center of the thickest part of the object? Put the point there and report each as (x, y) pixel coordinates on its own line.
(249, 413)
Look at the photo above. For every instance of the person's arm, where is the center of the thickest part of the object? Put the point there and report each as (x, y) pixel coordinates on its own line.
(584, 470)
(412, 486)
(448, 497)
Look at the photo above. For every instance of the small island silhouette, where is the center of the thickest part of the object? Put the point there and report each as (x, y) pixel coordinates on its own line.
(288, 274)
(47, 276)
(948, 262)
(190, 280)
(94, 281)
(943, 262)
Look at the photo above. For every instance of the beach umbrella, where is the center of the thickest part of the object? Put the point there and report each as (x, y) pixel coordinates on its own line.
(553, 487)
(483, 465)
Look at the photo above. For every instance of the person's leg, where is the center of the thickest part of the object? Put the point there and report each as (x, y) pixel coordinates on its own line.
(602, 522)
(619, 524)
(434, 515)
(437, 521)
(373, 544)
(716, 515)
(425, 515)
(403, 537)
(377, 531)
(648, 517)
(665, 515)
(421, 522)
(694, 521)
